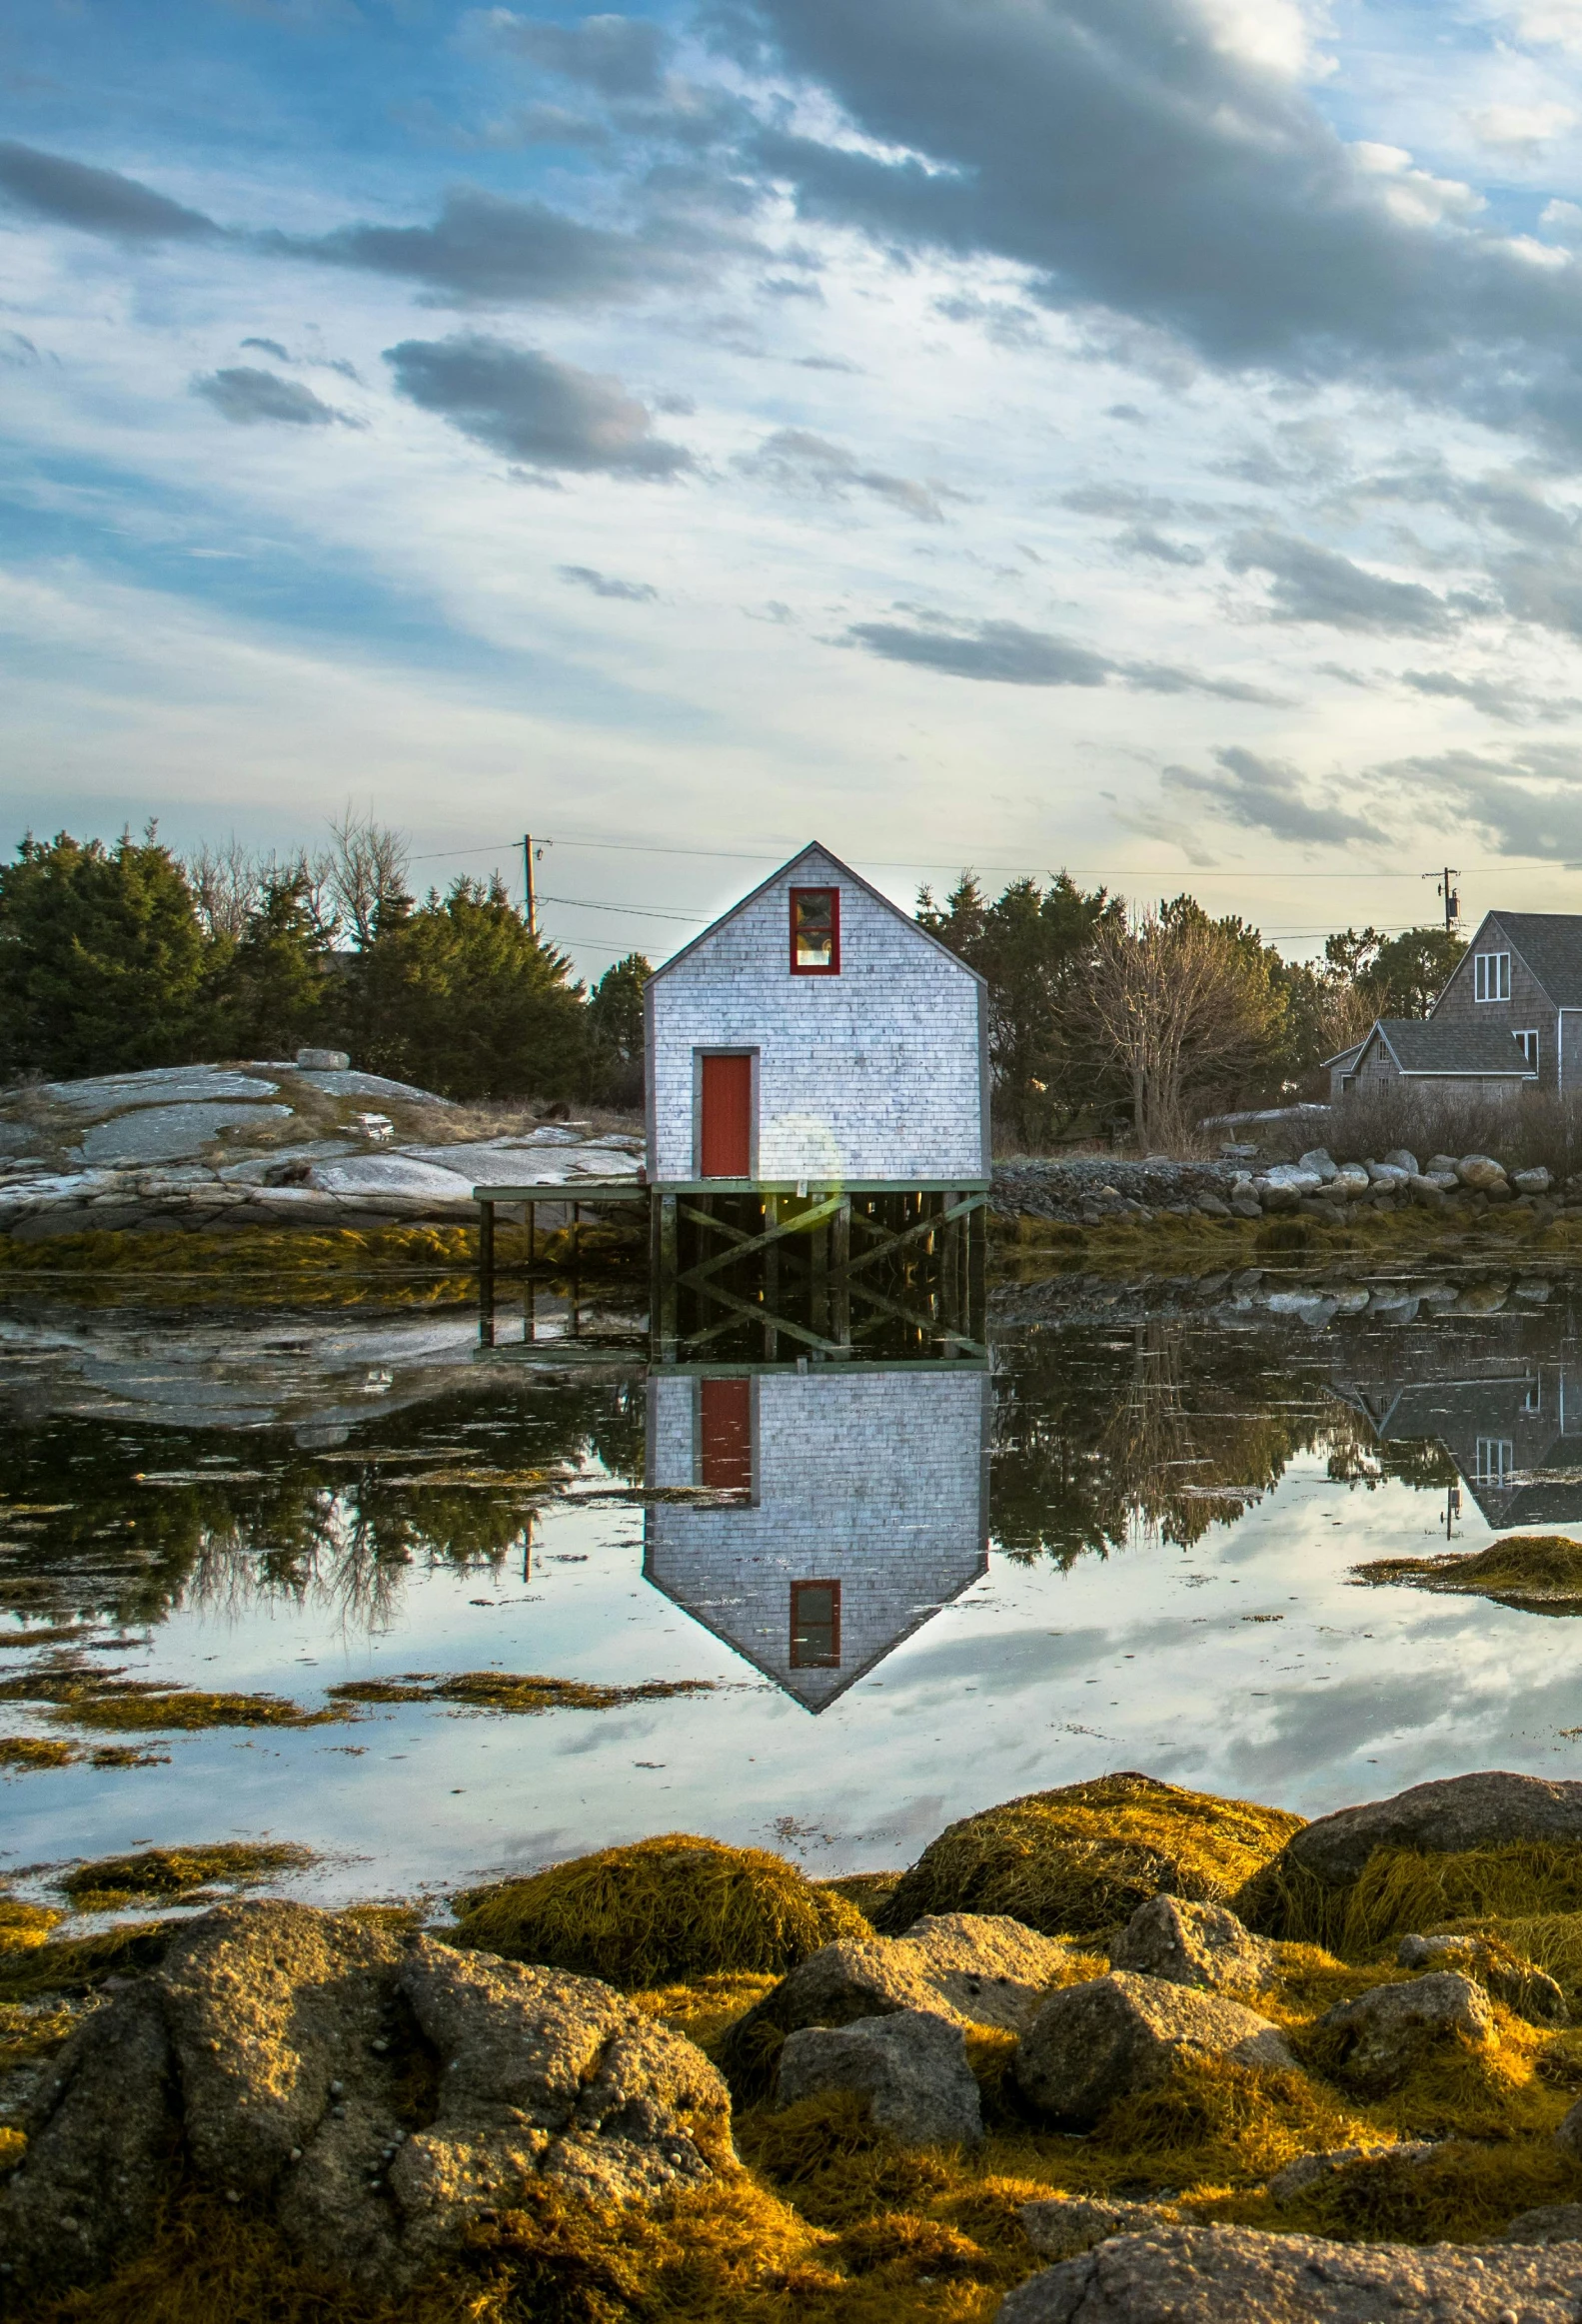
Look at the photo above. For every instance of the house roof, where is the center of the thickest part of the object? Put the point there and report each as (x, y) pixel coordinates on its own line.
(1551, 945)
(817, 847)
(1432, 1045)
(1344, 1057)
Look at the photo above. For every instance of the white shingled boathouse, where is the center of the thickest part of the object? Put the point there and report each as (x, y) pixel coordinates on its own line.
(816, 1037)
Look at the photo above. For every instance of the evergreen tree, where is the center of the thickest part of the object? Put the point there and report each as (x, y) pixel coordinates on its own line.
(456, 996)
(274, 990)
(102, 959)
(615, 1021)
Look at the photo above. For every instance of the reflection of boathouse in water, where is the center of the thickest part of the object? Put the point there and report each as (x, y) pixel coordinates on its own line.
(864, 1507)
(1514, 1431)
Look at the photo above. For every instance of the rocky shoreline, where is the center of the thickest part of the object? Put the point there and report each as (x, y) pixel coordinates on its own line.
(1117, 2051)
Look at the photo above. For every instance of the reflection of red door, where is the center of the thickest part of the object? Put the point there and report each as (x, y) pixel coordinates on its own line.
(727, 1141)
(725, 1435)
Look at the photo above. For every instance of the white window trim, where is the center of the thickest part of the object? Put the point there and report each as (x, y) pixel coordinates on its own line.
(1526, 1035)
(1501, 980)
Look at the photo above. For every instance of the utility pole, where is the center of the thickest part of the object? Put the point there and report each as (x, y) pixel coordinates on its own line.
(527, 876)
(1444, 888)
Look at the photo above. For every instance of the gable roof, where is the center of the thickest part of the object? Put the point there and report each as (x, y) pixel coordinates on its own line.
(1551, 945)
(1344, 1057)
(1429, 1045)
(815, 847)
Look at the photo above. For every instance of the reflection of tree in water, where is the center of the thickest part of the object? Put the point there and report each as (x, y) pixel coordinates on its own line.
(1357, 1457)
(1167, 1429)
(80, 1537)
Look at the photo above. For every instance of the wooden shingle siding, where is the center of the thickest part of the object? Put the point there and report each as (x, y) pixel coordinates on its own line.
(871, 1478)
(1529, 1006)
(878, 1072)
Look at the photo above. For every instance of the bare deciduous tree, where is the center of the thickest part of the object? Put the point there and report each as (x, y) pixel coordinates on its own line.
(226, 884)
(367, 872)
(1183, 1007)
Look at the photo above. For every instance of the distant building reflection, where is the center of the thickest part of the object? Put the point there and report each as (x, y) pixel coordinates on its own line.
(1512, 1426)
(861, 1508)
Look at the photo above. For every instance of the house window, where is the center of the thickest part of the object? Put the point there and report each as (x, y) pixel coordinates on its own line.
(815, 1626)
(1491, 976)
(816, 932)
(1533, 1398)
(1494, 1460)
(1528, 1044)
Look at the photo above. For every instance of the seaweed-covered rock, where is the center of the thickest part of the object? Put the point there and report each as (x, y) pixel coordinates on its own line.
(1461, 1811)
(1103, 2041)
(1077, 1861)
(1192, 1944)
(1237, 2275)
(676, 1907)
(376, 2091)
(1520, 1985)
(912, 2067)
(1569, 2134)
(1375, 2040)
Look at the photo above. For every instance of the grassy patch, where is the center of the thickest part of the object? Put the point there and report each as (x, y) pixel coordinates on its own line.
(1401, 1889)
(27, 1751)
(158, 1874)
(76, 1964)
(1081, 1859)
(869, 1891)
(1536, 1572)
(22, 1926)
(502, 1691)
(670, 1909)
(186, 1710)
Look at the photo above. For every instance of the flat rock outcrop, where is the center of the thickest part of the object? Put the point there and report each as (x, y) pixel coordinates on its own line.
(1193, 1944)
(910, 2067)
(1059, 2226)
(1095, 2043)
(1462, 1812)
(377, 2090)
(1237, 2275)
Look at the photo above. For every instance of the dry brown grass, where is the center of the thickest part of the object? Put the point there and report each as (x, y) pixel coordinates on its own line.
(1539, 1573)
(160, 1874)
(525, 1695)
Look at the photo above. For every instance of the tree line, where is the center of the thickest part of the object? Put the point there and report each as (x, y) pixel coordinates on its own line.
(1164, 1015)
(114, 958)
(117, 958)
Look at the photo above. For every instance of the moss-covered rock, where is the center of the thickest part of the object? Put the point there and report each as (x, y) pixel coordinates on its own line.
(673, 1907)
(1079, 1861)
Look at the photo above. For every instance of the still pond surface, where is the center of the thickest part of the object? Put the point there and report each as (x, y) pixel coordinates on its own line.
(1128, 1540)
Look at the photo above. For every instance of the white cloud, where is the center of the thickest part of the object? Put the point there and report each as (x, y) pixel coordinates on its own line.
(1277, 35)
(1521, 128)
(1414, 196)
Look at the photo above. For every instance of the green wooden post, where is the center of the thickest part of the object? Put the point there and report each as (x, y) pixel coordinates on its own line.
(486, 1261)
(769, 1210)
(667, 1241)
(841, 1274)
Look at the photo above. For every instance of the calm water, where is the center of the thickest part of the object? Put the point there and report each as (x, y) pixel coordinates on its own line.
(1124, 1542)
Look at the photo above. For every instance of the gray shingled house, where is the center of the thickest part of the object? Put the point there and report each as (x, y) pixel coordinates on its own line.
(1510, 1017)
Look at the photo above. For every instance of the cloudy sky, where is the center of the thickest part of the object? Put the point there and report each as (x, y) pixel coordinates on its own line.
(1138, 434)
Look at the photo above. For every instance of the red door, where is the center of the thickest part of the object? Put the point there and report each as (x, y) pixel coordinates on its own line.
(725, 1435)
(727, 1141)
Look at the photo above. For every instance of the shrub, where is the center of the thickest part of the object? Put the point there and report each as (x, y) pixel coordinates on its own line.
(673, 1907)
(1082, 1858)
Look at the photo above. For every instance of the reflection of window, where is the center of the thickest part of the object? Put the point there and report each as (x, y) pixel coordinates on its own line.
(1533, 1398)
(815, 1626)
(1528, 1045)
(816, 932)
(1491, 976)
(725, 1435)
(1496, 1458)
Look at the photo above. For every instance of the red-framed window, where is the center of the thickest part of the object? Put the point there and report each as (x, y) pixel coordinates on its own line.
(816, 932)
(815, 1626)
